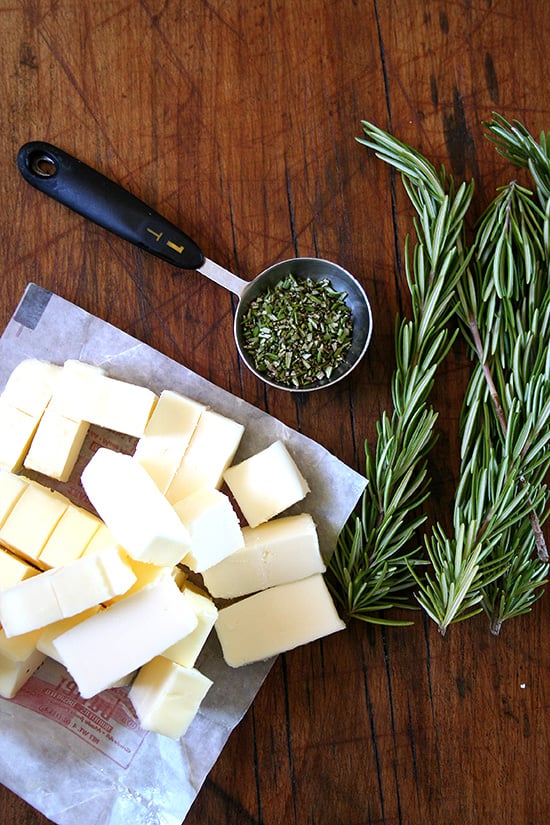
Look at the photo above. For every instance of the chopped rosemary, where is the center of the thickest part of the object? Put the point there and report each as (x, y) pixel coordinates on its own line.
(298, 331)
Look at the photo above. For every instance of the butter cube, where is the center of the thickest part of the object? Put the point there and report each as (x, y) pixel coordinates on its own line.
(166, 696)
(133, 508)
(31, 385)
(84, 393)
(167, 434)
(276, 620)
(32, 520)
(11, 488)
(18, 648)
(56, 445)
(266, 483)
(186, 651)
(102, 649)
(213, 527)
(64, 591)
(17, 429)
(14, 674)
(211, 450)
(276, 552)
(70, 537)
(102, 538)
(13, 569)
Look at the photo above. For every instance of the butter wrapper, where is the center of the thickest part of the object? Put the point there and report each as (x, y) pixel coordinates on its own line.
(88, 762)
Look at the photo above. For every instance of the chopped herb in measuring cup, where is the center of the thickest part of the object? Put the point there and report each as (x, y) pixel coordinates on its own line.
(298, 331)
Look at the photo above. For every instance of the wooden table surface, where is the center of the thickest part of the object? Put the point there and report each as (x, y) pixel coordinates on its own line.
(238, 121)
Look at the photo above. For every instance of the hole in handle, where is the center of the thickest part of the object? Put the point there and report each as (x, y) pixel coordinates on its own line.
(42, 164)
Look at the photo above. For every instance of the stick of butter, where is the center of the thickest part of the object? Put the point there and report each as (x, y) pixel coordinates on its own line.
(276, 552)
(276, 620)
(64, 591)
(133, 508)
(102, 649)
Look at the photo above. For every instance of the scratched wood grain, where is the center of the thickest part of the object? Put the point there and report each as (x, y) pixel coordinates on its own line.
(238, 121)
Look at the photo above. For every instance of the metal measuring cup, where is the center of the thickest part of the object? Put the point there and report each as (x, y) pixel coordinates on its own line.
(96, 197)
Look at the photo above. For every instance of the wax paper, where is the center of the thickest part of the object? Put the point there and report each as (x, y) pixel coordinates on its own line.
(88, 762)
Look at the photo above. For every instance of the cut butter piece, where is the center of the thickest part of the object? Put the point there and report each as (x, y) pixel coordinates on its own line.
(166, 696)
(19, 648)
(85, 393)
(11, 489)
(266, 483)
(186, 651)
(116, 641)
(213, 527)
(64, 591)
(70, 537)
(13, 569)
(56, 445)
(32, 520)
(167, 434)
(133, 508)
(276, 620)
(276, 552)
(211, 450)
(31, 385)
(14, 674)
(17, 429)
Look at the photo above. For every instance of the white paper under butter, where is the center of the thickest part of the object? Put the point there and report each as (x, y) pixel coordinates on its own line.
(156, 781)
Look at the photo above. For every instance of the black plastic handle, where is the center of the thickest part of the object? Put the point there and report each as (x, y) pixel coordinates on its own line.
(91, 194)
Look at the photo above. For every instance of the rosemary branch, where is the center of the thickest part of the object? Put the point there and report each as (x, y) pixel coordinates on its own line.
(497, 558)
(373, 567)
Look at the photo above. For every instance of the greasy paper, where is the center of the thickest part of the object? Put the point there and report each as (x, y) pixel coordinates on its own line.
(87, 762)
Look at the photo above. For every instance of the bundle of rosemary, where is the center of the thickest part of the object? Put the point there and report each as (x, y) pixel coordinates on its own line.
(496, 558)
(373, 567)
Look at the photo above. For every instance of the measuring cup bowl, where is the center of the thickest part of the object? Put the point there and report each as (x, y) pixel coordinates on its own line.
(317, 269)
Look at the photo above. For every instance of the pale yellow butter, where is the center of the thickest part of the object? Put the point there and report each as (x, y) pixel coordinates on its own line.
(116, 641)
(70, 537)
(14, 674)
(31, 385)
(276, 552)
(17, 429)
(213, 527)
(13, 569)
(167, 696)
(276, 620)
(64, 591)
(211, 450)
(46, 635)
(266, 483)
(85, 393)
(56, 445)
(133, 508)
(19, 648)
(11, 489)
(186, 651)
(32, 520)
(167, 434)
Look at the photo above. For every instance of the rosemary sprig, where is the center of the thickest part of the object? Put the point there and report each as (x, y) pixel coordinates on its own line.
(373, 567)
(489, 563)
